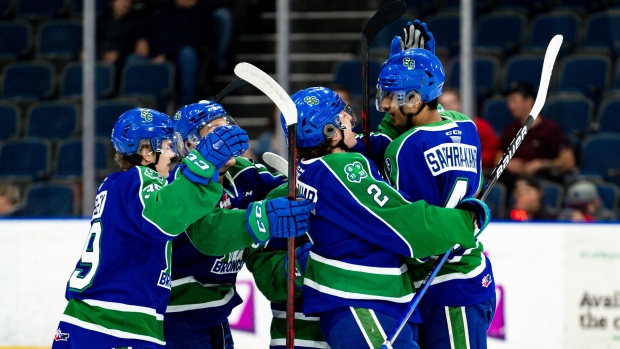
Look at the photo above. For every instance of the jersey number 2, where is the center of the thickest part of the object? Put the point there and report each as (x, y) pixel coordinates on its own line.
(375, 188)
(81, 278)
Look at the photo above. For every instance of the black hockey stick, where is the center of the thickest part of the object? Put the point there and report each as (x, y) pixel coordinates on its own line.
(386, 15)
(229, 88)
(283, 101)
(550, 56)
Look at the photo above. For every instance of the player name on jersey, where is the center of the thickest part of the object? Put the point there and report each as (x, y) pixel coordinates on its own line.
(451, 157)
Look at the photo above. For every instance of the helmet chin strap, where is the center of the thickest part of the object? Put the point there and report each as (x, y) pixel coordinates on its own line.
(411, 115)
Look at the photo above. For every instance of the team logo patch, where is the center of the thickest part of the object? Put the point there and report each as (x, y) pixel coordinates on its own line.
(311, 100)
(60, 336)
(177, 116)
(355, 172)
(409, 63)
(388, 167)
(486, 280)
(146, 115)
(154, 175)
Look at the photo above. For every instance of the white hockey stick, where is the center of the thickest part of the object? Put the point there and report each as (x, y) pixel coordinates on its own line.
(283, 101)
(276, 161)
(550, 56)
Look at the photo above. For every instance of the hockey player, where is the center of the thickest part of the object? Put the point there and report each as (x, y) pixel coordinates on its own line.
(356, 280)
(435, 156)
(119, 289)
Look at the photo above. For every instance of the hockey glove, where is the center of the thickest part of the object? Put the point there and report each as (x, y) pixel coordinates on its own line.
(301, 259)
(195, 168)
(278, 218)
(222, 144)
(480, 210)
(416, 36)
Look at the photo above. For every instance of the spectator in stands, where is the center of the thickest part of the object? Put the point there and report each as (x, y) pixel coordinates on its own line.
(116, 33)
(450, 99)
(583, 204)
(528, 204)
(9, 200)
(180, 32)
(545, 152)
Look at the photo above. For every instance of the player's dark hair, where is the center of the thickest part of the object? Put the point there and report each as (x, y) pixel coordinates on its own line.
(125, 162)
(432, 105)
(316, 152)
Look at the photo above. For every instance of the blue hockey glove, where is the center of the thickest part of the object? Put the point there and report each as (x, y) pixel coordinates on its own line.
(302, 253)
(416, 36)
(479, 209)
(278, 218)
(222, 144)
(198, 170)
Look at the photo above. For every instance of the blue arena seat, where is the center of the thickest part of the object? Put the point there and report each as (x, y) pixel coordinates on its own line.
(71, 82)
(500, 33)
(25, 159)
(524, 68)
(573, 111)
(609, 114)
(545, 26)
(527, 7)
(495, 111)
(59, 38)
(444, 27)
(32, 80)
(585, 73)
(15, 38)
(384, 37)
(602, 32)
(68, 159)
(49, 199)
(106, 114)
(52, 120)
(599, 156)
(349, 75)
(553, 194)
(10, 120)
(609, 194)
(148, 79)
(616, 78)
(486, 75)
(40, 9)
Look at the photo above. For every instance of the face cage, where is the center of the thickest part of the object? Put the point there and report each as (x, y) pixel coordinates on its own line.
(402, 97)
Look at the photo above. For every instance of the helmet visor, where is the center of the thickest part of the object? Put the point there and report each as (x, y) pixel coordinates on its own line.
(398, 98)
(346, 119)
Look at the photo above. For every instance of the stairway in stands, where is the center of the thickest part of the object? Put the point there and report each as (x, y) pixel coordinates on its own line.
(323, 32)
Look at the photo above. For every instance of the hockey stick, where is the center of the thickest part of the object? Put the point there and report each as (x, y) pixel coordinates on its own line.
(275, 161)
(550, 56)
(229, 88)
(283, 101)
(386, 15)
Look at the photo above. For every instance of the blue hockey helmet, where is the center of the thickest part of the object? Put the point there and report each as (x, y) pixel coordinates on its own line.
(139, 125)
(191, 118)
(317, 109)
(411, 73)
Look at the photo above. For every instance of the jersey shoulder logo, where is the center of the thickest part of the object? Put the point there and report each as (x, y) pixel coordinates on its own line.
(154, 175)
(60, 336)
(355, 172)
(486, 280)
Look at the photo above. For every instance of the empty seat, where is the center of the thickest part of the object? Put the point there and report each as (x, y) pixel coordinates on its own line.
(49, 199)
(106, 114)
(442, 26)
(486, 75)
(32, 80)
(609, 194)
(15, 38)
(609, 115)
(68, 159)
(523, 68)
(25, 159)
(580, 6)
(602, 32)
(573, 111)
(500, 33)
(39, 9)
(546, 25)
(585, 73)
(71, 83)
(349, 75)
(52, 120)
(383, 38)
(59, 39)
(524, 6)
(599, 156)
(148, 79)
(553, 194)
(495, 111)
(10, 120)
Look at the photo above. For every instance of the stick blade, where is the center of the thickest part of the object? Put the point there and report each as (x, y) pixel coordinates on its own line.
(386, 15)
(267, 85)
(550, 55)
(276, 161)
